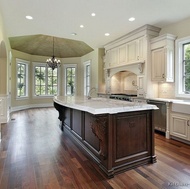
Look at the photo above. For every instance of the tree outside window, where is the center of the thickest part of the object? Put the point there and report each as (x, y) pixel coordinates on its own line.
(186, 68)
(21, 79)
(46, 81)
(70, 80)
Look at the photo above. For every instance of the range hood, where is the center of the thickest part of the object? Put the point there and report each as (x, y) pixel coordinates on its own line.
(136, 68)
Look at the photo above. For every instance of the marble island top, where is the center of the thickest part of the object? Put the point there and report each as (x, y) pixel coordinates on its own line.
(101, 105)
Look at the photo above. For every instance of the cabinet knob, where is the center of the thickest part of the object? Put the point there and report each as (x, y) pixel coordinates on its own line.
(188, 123)
(163, 76)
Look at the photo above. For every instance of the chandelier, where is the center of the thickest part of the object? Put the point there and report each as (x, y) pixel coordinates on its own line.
(53, 62)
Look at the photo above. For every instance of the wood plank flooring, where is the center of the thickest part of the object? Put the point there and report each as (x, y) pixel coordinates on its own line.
(35, 154)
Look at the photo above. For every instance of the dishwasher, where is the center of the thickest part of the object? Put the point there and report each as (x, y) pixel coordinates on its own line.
(159, 116)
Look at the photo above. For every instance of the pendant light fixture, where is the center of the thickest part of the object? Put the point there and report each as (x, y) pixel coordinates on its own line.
(53, 62)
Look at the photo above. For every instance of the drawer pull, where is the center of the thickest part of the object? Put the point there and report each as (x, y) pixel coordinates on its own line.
(188, 123)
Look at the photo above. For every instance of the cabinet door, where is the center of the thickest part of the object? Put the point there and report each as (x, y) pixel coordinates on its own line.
(140, 47)
(179, 126)
(158, 65)
(122, 53)
(112, 57)
(140, 85)
(132, 51)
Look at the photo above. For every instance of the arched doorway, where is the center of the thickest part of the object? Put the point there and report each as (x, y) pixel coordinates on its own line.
(4, 110)
(3, 69)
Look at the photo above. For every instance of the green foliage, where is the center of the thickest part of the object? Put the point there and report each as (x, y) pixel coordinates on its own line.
(45, 81)
(187, 68)
(70, 76)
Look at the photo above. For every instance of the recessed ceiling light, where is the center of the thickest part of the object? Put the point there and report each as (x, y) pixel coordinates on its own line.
(29, 17)
(73, 33)
(93, 14)
(107, 34)
(131, 19)
(81, 26)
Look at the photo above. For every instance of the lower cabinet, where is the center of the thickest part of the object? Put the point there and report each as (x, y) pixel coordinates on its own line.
(180, 125)
(117, 142)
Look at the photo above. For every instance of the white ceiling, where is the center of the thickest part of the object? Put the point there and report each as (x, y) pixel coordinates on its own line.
(60, 18)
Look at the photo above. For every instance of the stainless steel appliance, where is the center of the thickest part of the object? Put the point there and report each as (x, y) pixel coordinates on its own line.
(120, 96)
(159, 118)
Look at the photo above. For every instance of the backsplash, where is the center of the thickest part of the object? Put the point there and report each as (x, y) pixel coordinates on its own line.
(124, 82)
(166, 90)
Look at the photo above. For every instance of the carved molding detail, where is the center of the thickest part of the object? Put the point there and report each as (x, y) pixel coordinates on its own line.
(61, 117)
(99, 128)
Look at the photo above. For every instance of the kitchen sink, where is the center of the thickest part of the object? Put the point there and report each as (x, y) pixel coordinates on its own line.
(181, 106)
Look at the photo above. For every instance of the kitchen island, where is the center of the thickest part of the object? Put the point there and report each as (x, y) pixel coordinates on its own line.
(118, 135)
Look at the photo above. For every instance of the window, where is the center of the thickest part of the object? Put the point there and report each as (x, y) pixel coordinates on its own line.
(70, 80)
(45, 80)
(186, 68)
(86, 78)
(22, 78)
(183, 67)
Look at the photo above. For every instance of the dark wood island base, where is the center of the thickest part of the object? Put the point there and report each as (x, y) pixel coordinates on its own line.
(117, 142)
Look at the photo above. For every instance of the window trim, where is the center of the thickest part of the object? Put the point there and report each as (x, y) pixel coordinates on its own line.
(179, 67)
(21, 61)
(33, 79)
(87, 63)
(65, 85)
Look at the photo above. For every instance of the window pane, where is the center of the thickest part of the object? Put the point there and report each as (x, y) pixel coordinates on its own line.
(21, 79)
(186, 68)
(70, 80)
(45, 78)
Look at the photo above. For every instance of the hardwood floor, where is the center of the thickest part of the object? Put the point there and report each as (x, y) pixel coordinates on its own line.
(34, 153)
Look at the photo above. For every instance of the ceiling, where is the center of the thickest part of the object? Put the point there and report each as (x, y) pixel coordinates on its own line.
(45, 45)
(61, 18)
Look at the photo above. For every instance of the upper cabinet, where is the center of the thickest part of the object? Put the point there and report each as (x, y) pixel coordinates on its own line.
(128, 53)
(135, 51)
(162, 56)
(122, 54)
(112, 57)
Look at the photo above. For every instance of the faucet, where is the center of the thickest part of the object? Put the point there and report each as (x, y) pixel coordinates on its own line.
(90, 92)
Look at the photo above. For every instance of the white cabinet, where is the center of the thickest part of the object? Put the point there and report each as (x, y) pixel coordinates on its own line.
(112, 58)
(127, 53)
(122, 54)
(135, 50)
(140, 86)
(162, 52)
(180, 125)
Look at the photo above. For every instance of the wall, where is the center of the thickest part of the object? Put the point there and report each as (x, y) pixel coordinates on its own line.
(180, 29)
(4, 74)
(97, 73)
(124, 82)
(32, 101)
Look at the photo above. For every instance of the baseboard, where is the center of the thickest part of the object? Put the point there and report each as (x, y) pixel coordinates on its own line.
(19, 108)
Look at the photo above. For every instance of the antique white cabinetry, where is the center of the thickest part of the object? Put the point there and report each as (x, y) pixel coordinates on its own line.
(112, 57)
(135, 50)
(131, 53)
(180, 125)
(122, 54)
(162, 52)
(141, 88)
(128, 53)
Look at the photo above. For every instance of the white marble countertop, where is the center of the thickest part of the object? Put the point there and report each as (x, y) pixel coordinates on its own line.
(163, 99)
(101, 105)
(171, 100)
